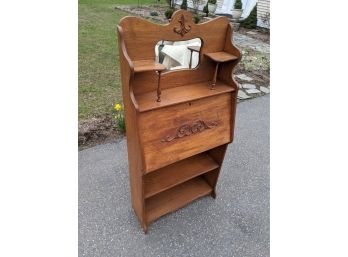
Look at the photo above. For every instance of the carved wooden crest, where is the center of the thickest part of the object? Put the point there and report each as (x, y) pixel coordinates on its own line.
(182, 30)
(187, 129)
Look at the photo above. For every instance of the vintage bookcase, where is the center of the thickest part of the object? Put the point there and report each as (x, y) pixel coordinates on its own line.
(178, 123)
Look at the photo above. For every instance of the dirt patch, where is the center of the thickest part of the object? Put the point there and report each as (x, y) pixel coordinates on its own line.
(96, 131)
(255, 65)
(260, 78)
(144, 11)
(258, 33)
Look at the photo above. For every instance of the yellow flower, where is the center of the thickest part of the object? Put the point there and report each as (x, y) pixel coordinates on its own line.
(117, 107)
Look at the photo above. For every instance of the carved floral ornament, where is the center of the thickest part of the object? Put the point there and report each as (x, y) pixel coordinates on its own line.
(182, 30)
(190, 129)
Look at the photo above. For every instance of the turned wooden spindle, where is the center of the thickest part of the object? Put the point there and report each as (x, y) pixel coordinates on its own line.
(190, 64)
(159, 87)
(193, 49)
(150, 66)
(219, 57)
(213, 83)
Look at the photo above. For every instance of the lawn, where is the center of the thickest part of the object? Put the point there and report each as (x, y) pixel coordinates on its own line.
(99, 75)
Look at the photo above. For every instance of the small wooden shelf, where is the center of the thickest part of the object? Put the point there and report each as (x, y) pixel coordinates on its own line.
(176, 198)
(221, 57)
(176, 95)
(147, 65)
(174, 174)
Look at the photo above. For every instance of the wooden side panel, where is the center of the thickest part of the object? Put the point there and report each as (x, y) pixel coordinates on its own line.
(218, 154)
(133, 144)
(163, 131)
(226, 71)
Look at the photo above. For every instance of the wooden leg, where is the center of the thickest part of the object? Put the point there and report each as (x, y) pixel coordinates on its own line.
(213, 194)
(159, 87)
(145, 228)
(215, 75)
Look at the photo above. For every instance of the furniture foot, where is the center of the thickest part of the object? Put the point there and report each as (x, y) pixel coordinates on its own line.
(213, 194)
(145, 228)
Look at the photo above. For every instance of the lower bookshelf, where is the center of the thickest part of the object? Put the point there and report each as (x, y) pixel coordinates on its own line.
(174, 186)
(176, 197)
(174, 174)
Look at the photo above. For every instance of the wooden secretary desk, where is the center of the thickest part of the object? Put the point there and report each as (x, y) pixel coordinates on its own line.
(178, 122)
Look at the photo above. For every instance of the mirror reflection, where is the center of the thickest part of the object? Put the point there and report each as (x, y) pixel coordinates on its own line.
(176, 55)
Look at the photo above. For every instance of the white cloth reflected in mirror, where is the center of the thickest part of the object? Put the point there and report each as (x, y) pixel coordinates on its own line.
(176, 55)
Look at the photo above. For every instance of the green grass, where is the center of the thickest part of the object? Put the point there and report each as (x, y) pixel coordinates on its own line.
(99, 74)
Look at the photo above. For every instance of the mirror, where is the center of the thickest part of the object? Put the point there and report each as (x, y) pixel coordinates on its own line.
(176, 55)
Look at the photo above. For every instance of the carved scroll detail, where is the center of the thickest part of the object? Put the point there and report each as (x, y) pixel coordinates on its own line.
(187, 129)
(183, 29)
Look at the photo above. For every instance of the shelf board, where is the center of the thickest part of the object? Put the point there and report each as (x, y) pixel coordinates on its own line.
(221, 56)
(175, 95)
(147, 65)
(174, 174)
(176, 198)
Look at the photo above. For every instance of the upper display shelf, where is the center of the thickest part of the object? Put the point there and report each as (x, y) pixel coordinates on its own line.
(176, 95)
(221, 57)
(160, 59)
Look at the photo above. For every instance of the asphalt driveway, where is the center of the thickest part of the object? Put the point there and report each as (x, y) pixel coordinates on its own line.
(236, 223)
